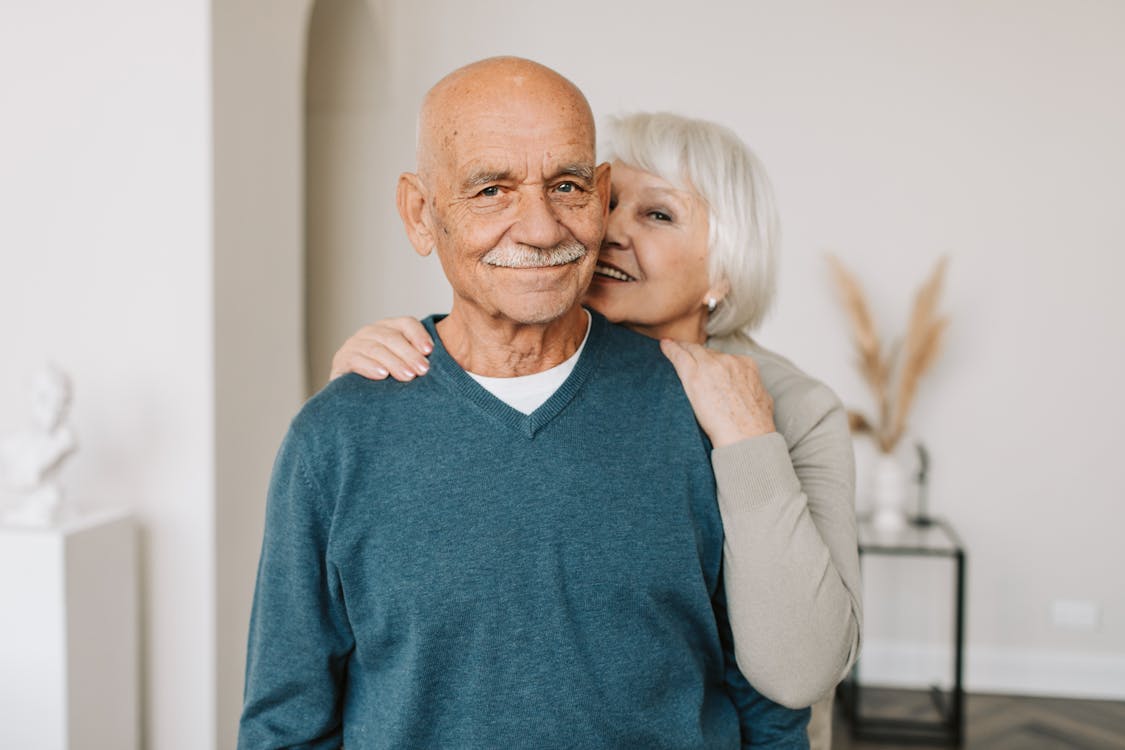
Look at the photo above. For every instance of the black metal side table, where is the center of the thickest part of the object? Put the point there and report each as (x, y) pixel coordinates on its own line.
(928, 538)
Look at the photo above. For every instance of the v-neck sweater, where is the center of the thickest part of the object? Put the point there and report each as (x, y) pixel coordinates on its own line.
(526, 393)
(442, 571)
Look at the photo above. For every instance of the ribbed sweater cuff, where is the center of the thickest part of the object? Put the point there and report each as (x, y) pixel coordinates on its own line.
(754, 473)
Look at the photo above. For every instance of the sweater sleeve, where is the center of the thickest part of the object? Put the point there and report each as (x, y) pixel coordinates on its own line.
(300, 640)
(763, 724)
(790, 553)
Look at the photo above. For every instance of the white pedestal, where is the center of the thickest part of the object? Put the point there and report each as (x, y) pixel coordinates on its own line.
(68, 636)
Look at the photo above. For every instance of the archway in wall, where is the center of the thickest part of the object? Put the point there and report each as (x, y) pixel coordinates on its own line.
(342, 128)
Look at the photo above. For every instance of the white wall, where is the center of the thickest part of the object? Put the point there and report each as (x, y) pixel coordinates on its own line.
(105, 267)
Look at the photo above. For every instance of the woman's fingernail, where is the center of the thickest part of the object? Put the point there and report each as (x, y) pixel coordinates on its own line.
(381, 372)
(407, 375)
(422, 368)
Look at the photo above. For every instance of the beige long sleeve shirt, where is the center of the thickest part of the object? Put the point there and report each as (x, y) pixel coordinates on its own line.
(791, 562)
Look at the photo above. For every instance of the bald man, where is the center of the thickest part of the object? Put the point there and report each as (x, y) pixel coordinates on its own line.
(523, 549)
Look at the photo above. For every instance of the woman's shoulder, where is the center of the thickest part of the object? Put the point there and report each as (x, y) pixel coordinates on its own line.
(800, 400)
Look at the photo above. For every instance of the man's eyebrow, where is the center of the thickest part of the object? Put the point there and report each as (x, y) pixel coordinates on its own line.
(486, 177)
(582, 171)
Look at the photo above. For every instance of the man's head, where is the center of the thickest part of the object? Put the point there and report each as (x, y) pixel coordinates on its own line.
(507, 189)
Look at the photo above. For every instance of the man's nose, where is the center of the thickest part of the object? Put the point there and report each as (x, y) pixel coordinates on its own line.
(537, 223)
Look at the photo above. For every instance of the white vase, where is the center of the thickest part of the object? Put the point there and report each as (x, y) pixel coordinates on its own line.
(890, 493)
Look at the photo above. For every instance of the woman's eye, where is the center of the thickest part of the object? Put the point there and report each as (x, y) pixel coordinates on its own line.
(659, 216)
(490, 192)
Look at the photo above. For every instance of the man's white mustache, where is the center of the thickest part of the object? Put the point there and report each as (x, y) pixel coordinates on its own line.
(528, 256)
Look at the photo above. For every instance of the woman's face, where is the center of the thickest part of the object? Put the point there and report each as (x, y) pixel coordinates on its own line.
(652, 269)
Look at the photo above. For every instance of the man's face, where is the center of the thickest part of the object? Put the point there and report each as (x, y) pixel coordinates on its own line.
(517, 208)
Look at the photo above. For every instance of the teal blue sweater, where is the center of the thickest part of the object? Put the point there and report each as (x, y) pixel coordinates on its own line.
(440, 570)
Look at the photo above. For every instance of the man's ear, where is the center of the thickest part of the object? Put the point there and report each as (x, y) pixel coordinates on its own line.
(411, 200)
(602, 185)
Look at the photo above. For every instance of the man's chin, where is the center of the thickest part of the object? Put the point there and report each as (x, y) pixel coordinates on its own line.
(539, 308)
(537, 296)
(538, 315)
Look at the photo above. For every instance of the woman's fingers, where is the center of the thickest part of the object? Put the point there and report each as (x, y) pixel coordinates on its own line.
(725, 392)
(388, 359)
(405, 351)
(350, 358)
(673, 351)
(680, 355)
(359, 364)
(414, 332)
(394, 347)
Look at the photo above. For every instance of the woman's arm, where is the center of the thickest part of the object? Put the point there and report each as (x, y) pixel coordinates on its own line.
(791, 565)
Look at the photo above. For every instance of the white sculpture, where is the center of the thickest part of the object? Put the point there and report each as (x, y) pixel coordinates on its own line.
(30, 461)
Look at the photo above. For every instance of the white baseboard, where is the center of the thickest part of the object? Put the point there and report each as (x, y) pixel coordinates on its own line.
(996, 670)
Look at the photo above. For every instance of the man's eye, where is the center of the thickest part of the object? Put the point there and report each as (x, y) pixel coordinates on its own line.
(566, 187)
(490, 192)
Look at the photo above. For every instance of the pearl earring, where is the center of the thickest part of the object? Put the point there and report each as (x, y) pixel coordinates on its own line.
(712, 303)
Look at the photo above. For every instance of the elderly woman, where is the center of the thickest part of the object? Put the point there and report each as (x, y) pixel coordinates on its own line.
(689, 257)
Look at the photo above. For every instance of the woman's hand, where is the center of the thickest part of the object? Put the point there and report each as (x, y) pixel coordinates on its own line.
(725, 391)
(395, 347)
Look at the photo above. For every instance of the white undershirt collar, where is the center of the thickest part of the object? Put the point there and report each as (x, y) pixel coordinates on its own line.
(526, 393)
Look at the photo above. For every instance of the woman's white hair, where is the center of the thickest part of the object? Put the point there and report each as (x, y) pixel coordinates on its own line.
(743, 228)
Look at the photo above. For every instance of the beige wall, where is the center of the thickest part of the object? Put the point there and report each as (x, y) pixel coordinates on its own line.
(359, 134)
(258, 376)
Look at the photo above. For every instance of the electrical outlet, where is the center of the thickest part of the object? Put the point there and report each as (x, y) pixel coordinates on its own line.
(1075, 614)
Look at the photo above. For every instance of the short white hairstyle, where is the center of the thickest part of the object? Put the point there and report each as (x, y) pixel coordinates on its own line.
(743, 229)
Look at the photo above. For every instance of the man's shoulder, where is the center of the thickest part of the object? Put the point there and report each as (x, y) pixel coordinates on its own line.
(628, 349)
(352, 402)
(632, 372)
(343, 394)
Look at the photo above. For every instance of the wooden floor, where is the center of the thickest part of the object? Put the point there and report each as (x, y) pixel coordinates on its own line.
(1001, 722)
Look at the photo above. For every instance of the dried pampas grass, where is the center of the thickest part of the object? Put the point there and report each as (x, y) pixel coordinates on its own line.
(892, 372)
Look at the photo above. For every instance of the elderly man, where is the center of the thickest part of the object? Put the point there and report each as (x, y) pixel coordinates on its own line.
(523, 549)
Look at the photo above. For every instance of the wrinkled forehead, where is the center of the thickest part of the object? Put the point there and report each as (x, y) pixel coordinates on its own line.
(511, 119)
(493, 141)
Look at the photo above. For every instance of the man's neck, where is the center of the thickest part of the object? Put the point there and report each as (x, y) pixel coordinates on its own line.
(500, 348)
